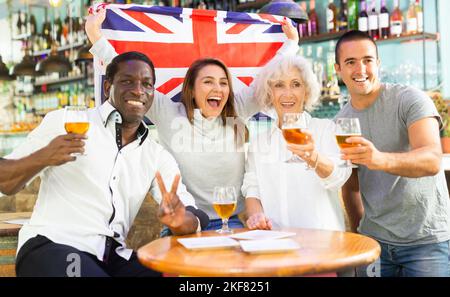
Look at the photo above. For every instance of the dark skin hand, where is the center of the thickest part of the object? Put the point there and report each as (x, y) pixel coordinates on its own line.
(171, 210)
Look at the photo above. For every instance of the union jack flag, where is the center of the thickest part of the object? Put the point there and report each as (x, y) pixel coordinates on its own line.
(174, 37)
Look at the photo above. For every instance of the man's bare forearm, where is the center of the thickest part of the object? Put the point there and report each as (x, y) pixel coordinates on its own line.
(424, 161)
(14, 174)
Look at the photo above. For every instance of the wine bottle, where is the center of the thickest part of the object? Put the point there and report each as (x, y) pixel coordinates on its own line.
(303, 27)
(352, 14)
(419, 15)
(363, 20)
(19, 23)
(396, 20)
(331, 17)
(313, 20)
(384, 20)
(342, 17)
(33, 25)
(411, 19)
(373, 22)
(25, 27)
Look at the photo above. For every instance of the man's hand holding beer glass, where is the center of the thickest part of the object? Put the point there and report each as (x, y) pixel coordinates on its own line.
(363, 152)
(62, 149)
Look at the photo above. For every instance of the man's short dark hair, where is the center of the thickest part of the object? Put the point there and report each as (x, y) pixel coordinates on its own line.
(113, 67)
(353, 35)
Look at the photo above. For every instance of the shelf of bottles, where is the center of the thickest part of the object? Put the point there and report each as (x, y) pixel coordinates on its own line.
(385, 24)
(25, 101)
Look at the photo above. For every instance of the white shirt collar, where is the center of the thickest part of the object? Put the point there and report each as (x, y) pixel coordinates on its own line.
(109, 114)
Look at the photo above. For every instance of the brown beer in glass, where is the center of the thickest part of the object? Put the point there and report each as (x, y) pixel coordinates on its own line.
(342, 143)
(345, 128)
(295, 136)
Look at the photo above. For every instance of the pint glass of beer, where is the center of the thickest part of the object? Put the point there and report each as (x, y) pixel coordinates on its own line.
(345, 128)
(224, 204)
(76, 120)
(291, 126)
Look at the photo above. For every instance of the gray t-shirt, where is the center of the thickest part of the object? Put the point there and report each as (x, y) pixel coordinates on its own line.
(400, 210)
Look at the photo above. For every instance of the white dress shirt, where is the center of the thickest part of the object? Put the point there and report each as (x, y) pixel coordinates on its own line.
(292, 196)
(205, 150)
(80, 203)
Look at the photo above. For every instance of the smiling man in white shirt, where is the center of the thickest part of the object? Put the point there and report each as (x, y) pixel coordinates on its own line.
(86, 204)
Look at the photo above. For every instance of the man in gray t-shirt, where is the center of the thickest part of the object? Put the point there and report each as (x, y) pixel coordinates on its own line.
(398, 195)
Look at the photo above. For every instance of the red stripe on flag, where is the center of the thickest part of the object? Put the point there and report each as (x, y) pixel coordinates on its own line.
(148, 21)
(170, 85)
(269, 17)
(246, 79)
(238, 28)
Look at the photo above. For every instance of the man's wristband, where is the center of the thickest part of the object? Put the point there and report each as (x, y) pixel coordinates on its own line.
(202, 217)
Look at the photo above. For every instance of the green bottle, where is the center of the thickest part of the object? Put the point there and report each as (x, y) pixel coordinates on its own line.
(352, 16)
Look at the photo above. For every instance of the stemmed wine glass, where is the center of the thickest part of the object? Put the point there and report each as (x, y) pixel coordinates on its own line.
(291, 127)
(224, 204)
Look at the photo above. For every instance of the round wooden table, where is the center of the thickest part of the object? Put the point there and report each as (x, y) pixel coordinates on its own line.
(320, 252)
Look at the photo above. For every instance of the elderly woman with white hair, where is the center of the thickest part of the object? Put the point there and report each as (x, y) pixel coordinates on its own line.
(281, 194)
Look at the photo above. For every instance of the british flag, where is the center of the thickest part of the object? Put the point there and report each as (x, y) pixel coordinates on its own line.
(174, 37)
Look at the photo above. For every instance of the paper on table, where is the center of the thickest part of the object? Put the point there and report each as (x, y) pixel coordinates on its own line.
(262, 234)
(17, 221)
(212, 242)
(269, 245)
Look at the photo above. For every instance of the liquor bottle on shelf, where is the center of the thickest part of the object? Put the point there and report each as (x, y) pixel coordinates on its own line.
(57, 30)
(303, 27)
(384, 20)
(81, 35)
(419, 15)
(363, 19)
(342, 16)
(46, 35)
(313, 20)
(373, 22)
(352, 14)
(65, 31)
(33, 25)
(331, 17)
(25, 27)
(411, 19)
(396, 20)
(19, 23)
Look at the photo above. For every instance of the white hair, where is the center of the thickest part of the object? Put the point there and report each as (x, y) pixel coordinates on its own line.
(279, 66)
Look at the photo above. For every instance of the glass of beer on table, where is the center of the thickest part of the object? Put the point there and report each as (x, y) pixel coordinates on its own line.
(76, 120)
(291, 126)
(345, 128)
(224, 204)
